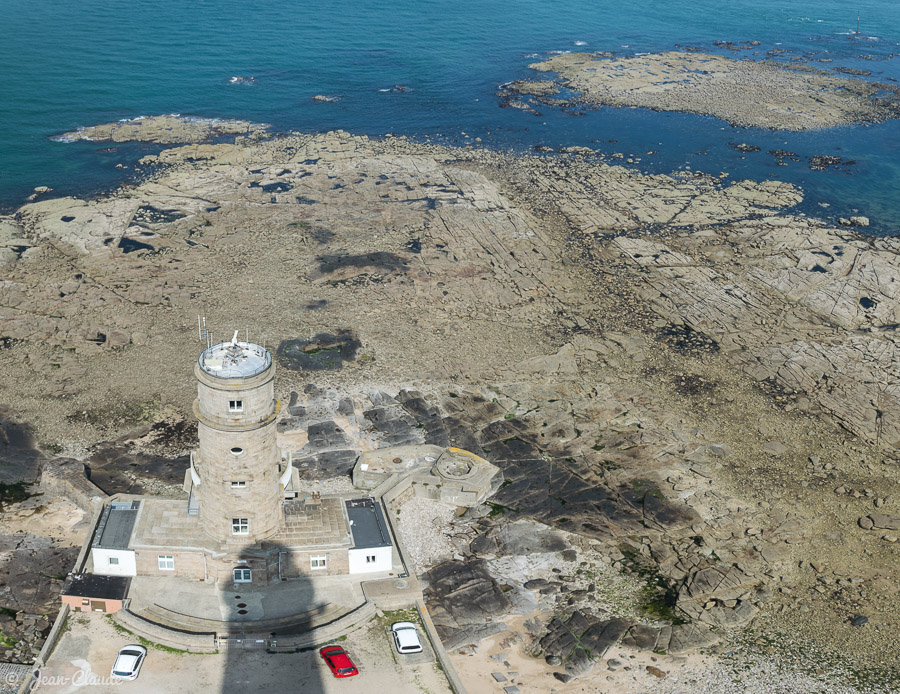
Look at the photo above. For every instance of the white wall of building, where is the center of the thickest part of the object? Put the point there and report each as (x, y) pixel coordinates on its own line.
(361, 560)
(126, 565)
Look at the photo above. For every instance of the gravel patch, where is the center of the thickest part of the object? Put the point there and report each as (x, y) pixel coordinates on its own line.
(424, 526)
(756, 675)
(333, 485)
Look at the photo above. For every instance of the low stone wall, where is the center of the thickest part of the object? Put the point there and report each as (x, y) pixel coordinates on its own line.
(65, 478)
(63, 614)
(391, 493)
(348, 622)
(195, 643)
(439, 651)
(209, 642)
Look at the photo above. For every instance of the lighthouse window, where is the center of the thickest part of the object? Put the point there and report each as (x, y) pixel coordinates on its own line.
(238, 484)
(235, 405)
(317, 562)
(240, 526)
(237, 450)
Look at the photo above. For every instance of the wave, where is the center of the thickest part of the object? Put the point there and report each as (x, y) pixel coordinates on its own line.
(859, 36)
(581, 43)
(69, 137)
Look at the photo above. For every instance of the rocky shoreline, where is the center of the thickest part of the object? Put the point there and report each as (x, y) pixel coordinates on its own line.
(692, 391)
(747, 93)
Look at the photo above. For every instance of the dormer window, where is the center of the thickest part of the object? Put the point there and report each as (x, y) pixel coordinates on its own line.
(235, 406)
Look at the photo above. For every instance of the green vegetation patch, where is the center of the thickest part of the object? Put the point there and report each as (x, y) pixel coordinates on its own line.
(146, 643)
(126, 415)
(659, 596)
(13, 493)
(498, 510)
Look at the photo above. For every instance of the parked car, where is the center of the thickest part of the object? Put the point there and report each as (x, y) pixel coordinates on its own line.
(338, 661)
(128, 663)
(406, 638)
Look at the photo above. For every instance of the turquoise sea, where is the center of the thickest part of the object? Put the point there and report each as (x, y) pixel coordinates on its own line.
(65, 64)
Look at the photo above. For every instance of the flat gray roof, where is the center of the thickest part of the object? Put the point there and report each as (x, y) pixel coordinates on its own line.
(367, 524)
(116, 524)
(94, 586)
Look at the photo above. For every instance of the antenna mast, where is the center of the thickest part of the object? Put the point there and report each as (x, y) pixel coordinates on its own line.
(202, 330)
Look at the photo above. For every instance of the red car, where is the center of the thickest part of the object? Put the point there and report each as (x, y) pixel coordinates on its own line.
(338, 661)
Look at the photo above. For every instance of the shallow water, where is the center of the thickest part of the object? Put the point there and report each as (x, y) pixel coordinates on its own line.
(67, 64)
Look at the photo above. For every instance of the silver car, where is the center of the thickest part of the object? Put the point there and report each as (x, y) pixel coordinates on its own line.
(128, 663)
(406, 638)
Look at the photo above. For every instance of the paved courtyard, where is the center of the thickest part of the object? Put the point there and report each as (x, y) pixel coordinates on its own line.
(221, 603)
(86, 652)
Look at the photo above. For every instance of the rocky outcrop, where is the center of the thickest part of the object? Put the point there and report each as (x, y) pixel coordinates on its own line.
(748, 93)
(579, 641)
(463, 599)
(643, 356)
(32, 568)
(165, 129)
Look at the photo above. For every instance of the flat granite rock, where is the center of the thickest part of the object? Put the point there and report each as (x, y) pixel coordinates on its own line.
(580, 640)
(748, 93)
(164, 129)
(462, 597)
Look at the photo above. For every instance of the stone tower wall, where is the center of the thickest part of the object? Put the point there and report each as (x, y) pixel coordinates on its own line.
(238, 447)
(257, 394)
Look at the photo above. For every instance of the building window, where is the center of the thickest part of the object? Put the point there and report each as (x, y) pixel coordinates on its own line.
(237, 450)
(235, 406)
(242, 576)
(113, 561)
(370, 559)
(166, 562)
(317, 562)
(238, 484)
(240, 526)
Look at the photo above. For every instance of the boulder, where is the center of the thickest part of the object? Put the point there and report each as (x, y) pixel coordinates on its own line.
(884, 521)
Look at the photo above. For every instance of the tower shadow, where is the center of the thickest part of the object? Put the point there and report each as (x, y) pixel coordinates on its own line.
(267, 617)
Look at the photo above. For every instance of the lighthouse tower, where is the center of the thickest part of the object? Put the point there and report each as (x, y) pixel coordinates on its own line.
(235, 472)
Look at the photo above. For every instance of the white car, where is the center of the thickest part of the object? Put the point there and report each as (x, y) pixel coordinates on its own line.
(128, 663)
(406, 638)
